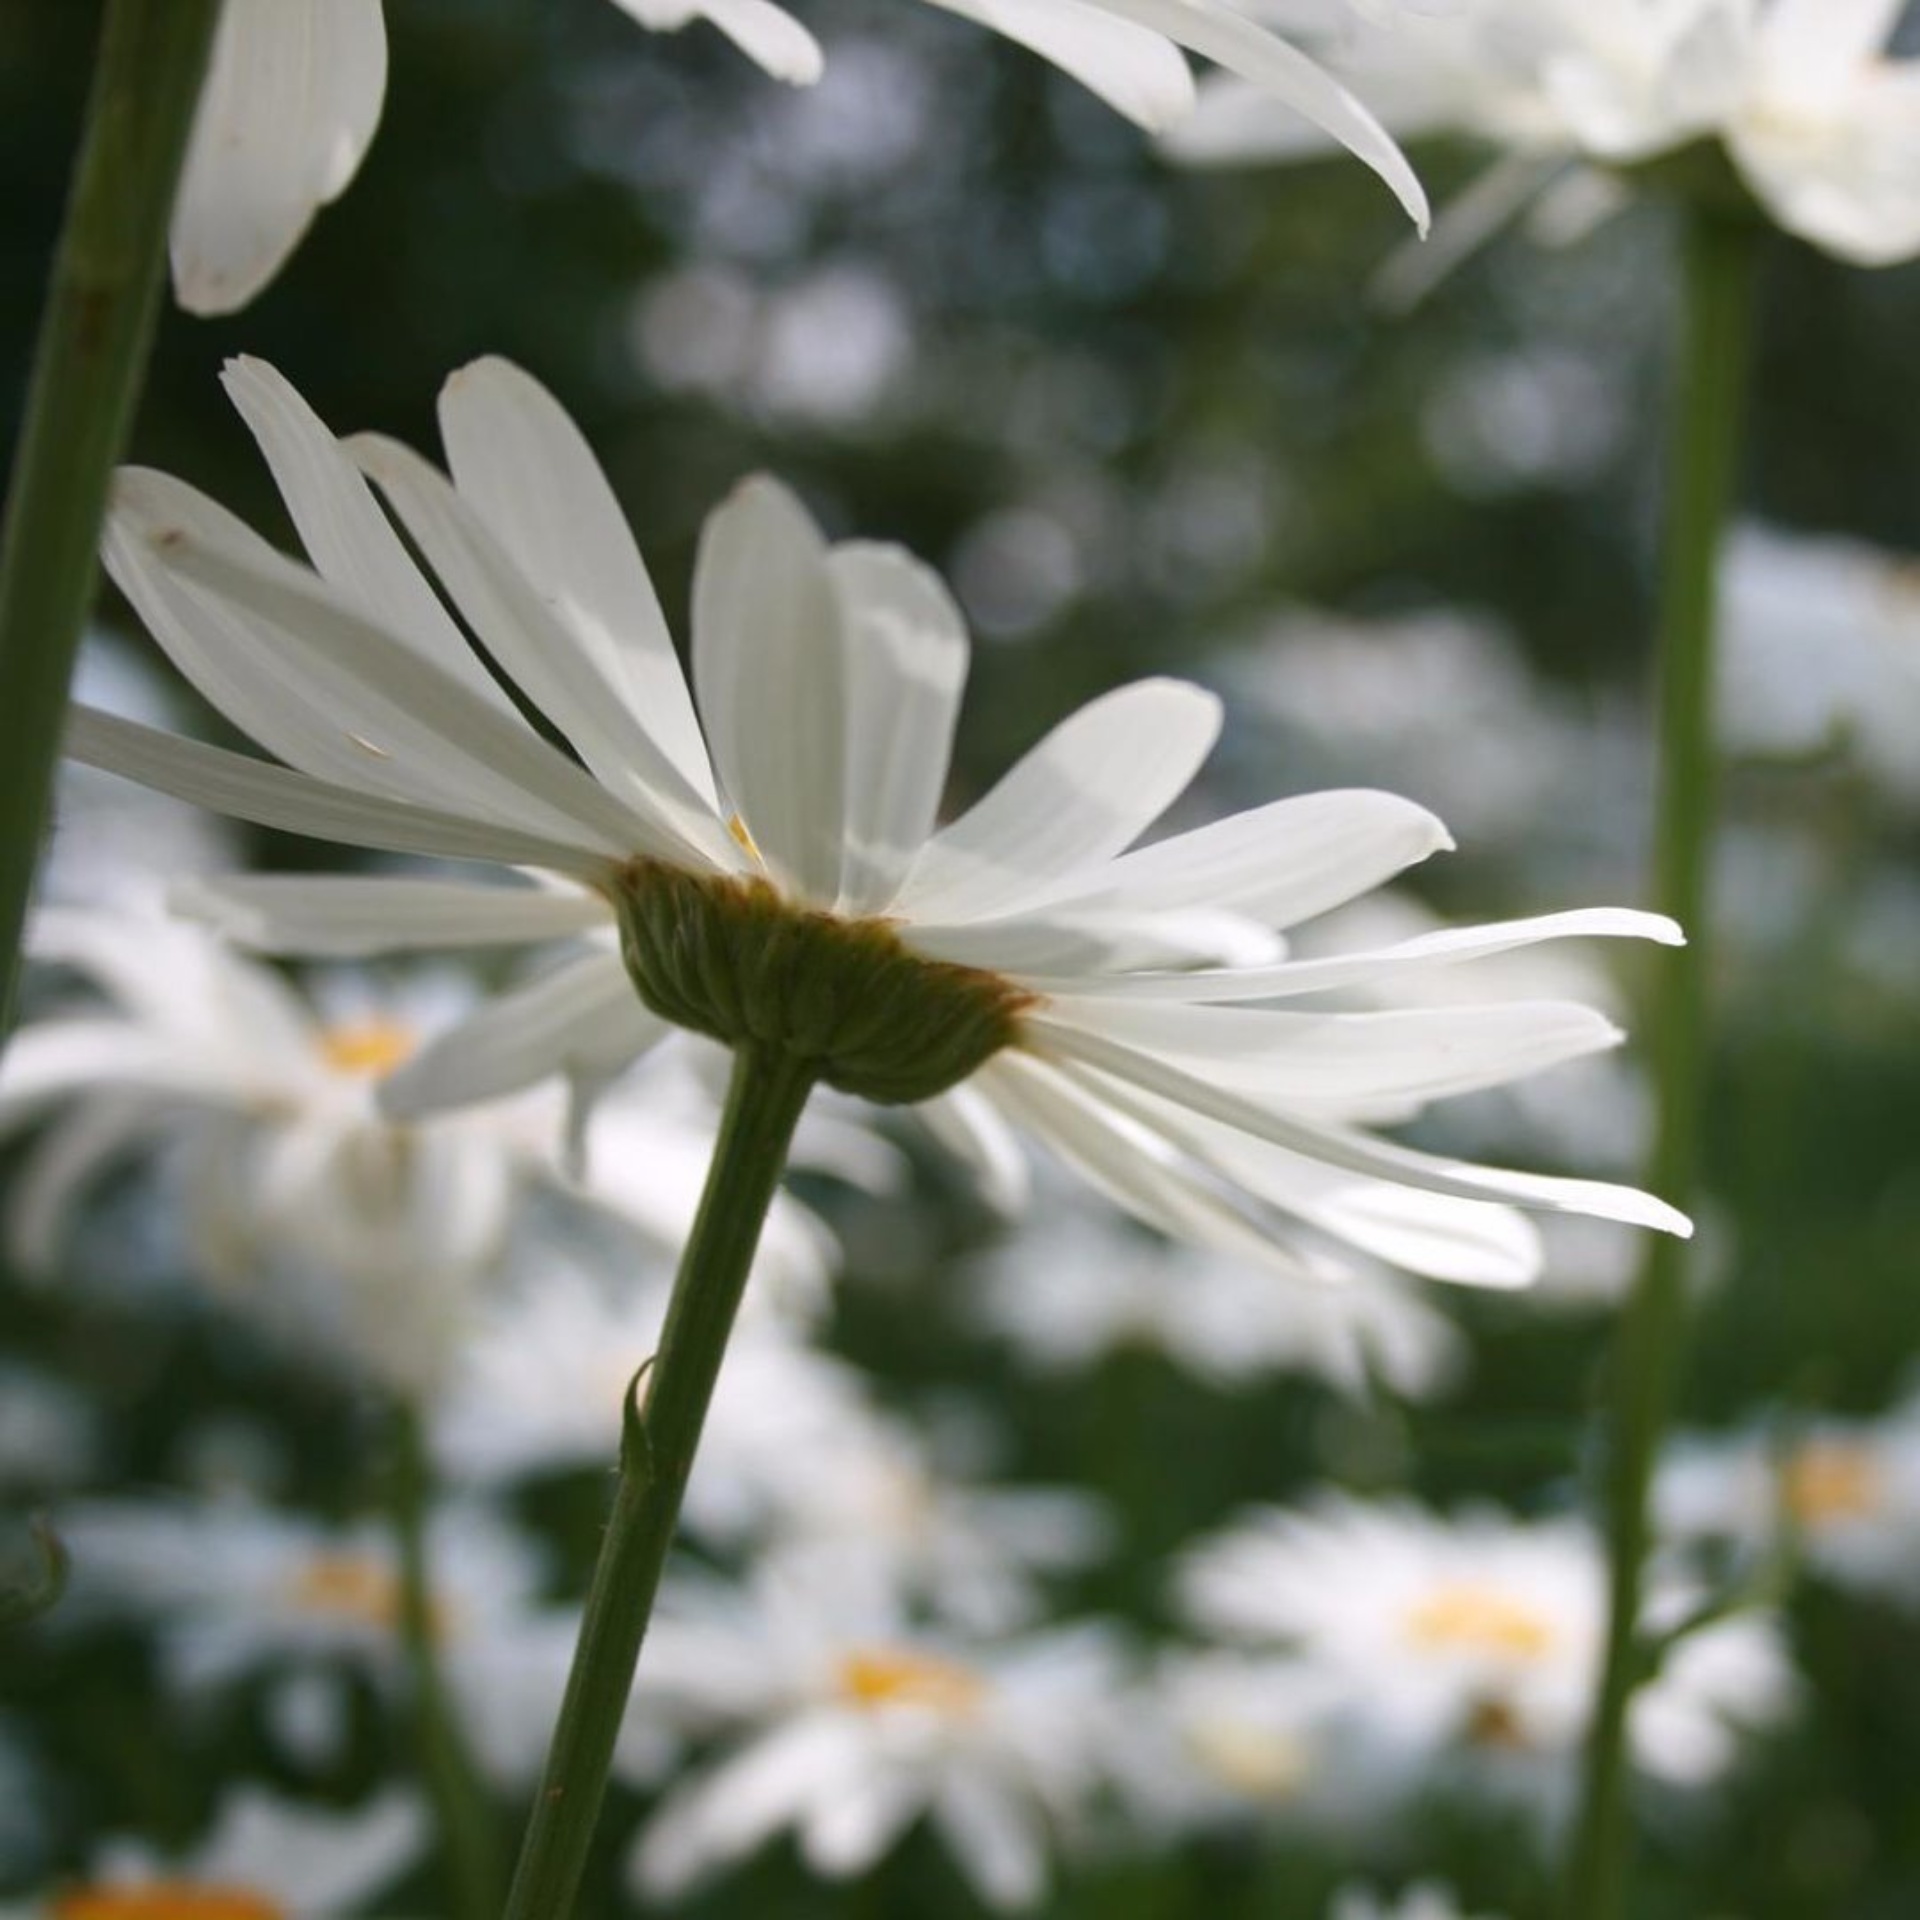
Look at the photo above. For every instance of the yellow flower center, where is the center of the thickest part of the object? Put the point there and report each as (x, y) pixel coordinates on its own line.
(878, 1677)
(1255, 1761)
(1470, 1619)
(1831, 1480)
(346, 1586)
(173, 1900)
(364, 1048)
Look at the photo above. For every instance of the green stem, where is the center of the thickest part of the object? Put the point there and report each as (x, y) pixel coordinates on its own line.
(1643, 1370)
(764, 1102)
(460, 1798)
(89, 365)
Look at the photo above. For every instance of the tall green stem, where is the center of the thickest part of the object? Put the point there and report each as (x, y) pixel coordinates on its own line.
(468, 1839)
(89, 365)
(1708, 409)
(764, 1102)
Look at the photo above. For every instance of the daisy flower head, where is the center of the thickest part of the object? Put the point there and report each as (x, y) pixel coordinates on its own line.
(265, 1858)
(1468, 1647)
(778, 881)
(295, 88)
(1798, 98)
(838, 1718)
(1845, 1494)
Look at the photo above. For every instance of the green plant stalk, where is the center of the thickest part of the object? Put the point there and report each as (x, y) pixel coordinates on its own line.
(767, 1093)
(89, 365)
(1718, 250)
(461, 1803)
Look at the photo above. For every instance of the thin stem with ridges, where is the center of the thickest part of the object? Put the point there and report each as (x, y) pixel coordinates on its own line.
(89, 365)
(1709, 406)
(765, 1099)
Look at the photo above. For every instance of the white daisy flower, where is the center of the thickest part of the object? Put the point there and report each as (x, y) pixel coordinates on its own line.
(313, 1207)
(1822, 649)
(1078, 1286)
(295, 88)
(1016, 966)
(1469, 1647)
(236, 1589)
(265, 1858)
(847, 1725)
(1844, 1493)
(1425, 1900)
(1818, 122)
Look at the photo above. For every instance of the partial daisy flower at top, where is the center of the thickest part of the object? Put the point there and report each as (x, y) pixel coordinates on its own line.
(1426, 1900)
(1019, 967)
(295, 89)
(1465, 1650)
(1822, 128)
(265, 1858)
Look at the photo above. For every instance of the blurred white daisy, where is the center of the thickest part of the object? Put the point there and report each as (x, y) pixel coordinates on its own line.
(1822, 651)
(844, 1723)
(265, 1858)
(1468, 1648)
(1843, 1493)
(1425, 1900)
(311, 1206)
(1801, 96)
(1078, 1286)
(1018, 965)
(296, 86)
(234, 1589)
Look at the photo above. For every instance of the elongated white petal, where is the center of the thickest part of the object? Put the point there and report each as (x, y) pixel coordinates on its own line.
(1364, 1153)
(322, 915)
(1219, 33)
(1132, 1165)
(72, 1153)
(768, 671)
(1821, 41)
(290, 103)
(543, 657)
(768, 35)
(53, 1059)
(1083, 795)
(996, 1838)
(350, 541)
(1474, 1243)
(1079, 947)
(1345, 1062)
(1380, 967)
(1135, 70)
(905, 661)
(966, 1123)
(527, 471)
(583, 1020)
(268, 796)
(351, 681)
(1236, 123)
(1280, 864)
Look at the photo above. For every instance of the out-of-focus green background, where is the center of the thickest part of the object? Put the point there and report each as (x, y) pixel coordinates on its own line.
(1135, 416)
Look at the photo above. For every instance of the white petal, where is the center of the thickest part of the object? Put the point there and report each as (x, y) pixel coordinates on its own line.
(1236, 123)
(291, 101)
(967, 1125)
(1345, 1063)
(1083, 795)
(768, 35)
(1364, 1153)
(1821, 41)
(1383, 966)
(1280, 864)
(346, 702)
(354, 918)
(1130, 67)
(905, 660)
(768, 671)
(1060, 951)
(268, 796)
(1217, 32)
(583, 1019)
(528, 472)
(541, 655)
(846, 1832)
(994, 1838)
(350, 541)
(72, 1153)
